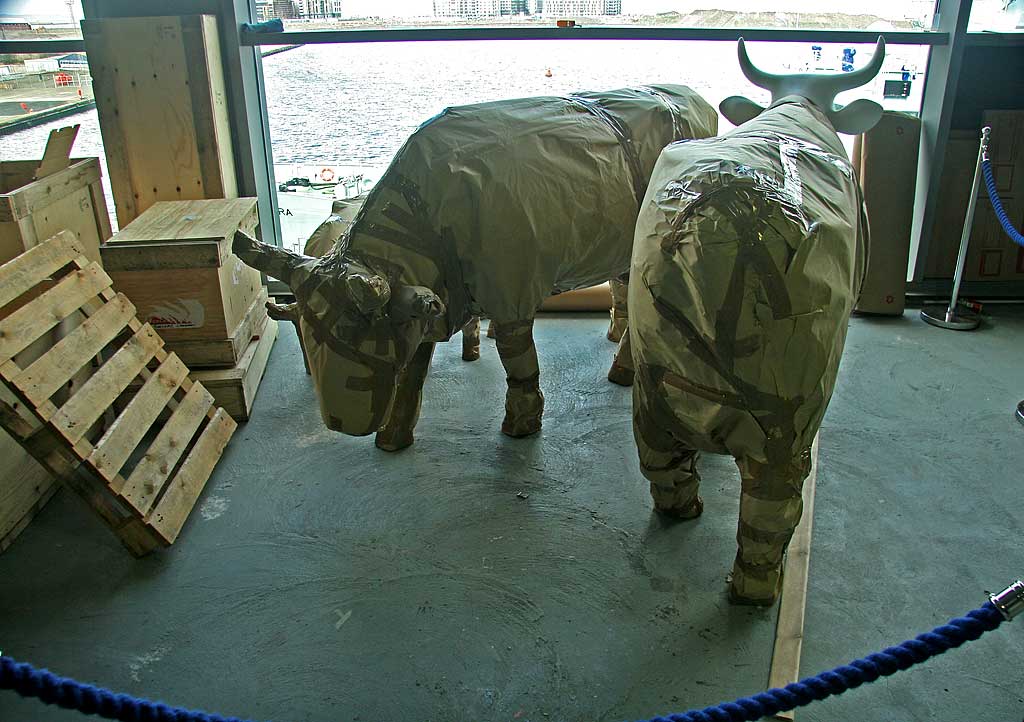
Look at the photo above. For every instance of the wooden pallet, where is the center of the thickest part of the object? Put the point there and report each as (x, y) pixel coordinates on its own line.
(141, 478)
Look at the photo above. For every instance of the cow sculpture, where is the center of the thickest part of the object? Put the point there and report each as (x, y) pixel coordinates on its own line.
(748, 257)
(486, 210)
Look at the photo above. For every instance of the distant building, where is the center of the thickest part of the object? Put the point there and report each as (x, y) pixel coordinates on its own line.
(43, 65)
(285, 9)
(570, 8)
(467, 8)
(264, 10)
(74, 61)
(320, 8)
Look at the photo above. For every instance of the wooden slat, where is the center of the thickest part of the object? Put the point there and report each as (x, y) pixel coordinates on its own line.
(22, 273)
(789, 633)
(148, 477)
(57, 155)
(54, 368)
(83, 409)
(128, 429)
(30, 197)
(169, 515)
(40, 315)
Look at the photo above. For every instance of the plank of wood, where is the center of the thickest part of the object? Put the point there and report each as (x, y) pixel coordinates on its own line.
(20, 274)
(51, 371)
(84, 408)
(789, 633)
(34, 319)
(128, 429)
(173, 509)
(235, 388)
(147, 479)
(57, 155)
(30, 197)
(25, 487)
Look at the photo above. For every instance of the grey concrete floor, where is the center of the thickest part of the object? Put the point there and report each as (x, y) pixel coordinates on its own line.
(322, 579)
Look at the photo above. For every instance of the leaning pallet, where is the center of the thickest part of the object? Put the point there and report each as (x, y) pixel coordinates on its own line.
(142, 478)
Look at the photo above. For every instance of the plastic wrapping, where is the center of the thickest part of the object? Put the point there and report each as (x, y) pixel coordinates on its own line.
(486, 210)
(748, 257)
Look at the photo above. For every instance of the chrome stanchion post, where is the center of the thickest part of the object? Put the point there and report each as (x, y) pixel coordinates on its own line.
(949, 317)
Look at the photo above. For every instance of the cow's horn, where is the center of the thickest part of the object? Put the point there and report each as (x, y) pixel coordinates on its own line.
(274, 261)
(755, 75)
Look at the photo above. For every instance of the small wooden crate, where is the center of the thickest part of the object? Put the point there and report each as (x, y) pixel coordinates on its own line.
(163, 109)
(25, 487)
(33, 210)
(175, 263)
(143, 480)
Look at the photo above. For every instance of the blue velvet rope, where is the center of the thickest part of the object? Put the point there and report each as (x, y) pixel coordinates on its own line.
(28, 681)
(997, 205)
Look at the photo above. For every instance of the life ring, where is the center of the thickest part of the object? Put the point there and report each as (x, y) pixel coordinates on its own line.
(326, 175)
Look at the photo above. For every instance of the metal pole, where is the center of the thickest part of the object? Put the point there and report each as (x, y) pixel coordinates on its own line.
(949, 318)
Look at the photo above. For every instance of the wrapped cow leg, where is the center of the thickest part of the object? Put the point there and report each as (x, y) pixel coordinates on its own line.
(471, 340)
(396, 433)
(621, 372)
(619, 314)
(668, 464)
(770, 508)
(524, 402)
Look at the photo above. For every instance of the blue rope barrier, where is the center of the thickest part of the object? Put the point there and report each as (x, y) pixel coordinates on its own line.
(997, 204)
(28, 681)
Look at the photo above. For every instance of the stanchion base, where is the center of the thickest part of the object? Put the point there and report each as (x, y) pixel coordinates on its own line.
(937, 316)
(1020, 412)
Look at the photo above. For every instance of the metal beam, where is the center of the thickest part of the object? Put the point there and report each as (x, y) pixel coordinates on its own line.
(941, 80)
(602, 32)
(14, 47)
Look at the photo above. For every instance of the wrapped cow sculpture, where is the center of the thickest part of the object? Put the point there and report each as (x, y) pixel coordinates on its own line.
(748, 257)
(486, 210)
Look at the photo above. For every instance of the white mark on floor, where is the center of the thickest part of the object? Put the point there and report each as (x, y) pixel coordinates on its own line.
(342, 617)
(213, 507)
(138, 664)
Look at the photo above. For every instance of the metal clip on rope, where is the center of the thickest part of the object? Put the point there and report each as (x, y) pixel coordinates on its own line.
(1010, 601)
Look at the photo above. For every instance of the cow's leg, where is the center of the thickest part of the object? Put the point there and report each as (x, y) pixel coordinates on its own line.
(667, 463)
(396, 433)
(490, 329)
(524, 402)
(619, 314)
(770, 508)
(471, 340)
(621, 372)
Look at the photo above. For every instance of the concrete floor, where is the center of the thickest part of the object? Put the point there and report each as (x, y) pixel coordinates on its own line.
(322, 579)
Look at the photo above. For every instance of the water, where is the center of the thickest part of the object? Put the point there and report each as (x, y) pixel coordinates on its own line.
(354, 105)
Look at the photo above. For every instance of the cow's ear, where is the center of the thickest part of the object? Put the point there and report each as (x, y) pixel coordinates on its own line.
(411, 302)
(858, 117)
(738, 110)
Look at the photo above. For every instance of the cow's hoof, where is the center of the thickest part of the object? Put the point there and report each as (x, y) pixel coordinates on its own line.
(620, 375)
(692, 510)
(393, 440)
(520, 427)
(471, 355)
(614, 334)
(756, 586)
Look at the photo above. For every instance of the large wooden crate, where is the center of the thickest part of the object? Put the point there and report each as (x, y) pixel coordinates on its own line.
(141, 477)
(175, 263)
(33, 210)
(160, 95)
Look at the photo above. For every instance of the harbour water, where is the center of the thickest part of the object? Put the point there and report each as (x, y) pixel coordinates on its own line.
(350, 107)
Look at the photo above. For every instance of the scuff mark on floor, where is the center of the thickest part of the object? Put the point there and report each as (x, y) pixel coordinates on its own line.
(213, 507)
(141, 662)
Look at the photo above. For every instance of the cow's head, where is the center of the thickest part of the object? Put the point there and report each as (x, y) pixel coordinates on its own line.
(359, 332)
(821, 90)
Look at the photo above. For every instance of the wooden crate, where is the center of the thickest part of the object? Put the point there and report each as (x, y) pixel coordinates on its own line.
(141, 478)
(25, 487)
(33, 210)
(235, 388)
(175, 263)
(163, 110)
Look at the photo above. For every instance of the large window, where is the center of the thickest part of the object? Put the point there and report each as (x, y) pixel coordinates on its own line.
(43, 92)
(338, 113)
